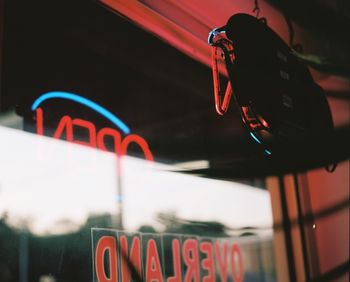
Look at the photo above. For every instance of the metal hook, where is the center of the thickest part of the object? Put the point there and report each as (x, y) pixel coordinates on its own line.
(256, 9)
(217, 39)
(221, 104)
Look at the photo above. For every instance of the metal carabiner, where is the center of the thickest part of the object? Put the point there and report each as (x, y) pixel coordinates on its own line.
(217, 39)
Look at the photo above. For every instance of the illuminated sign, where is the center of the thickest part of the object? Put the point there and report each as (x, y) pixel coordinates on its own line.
(120, 256)
(95, 138)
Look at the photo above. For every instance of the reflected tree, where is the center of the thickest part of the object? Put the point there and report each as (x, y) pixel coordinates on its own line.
(177, 225)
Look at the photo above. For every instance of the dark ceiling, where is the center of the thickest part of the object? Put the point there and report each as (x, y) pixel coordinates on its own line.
(329, 22)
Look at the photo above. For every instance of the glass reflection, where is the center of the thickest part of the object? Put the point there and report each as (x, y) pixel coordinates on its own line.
(52, 193)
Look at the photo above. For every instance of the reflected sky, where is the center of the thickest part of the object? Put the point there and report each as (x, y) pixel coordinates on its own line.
(53, 186)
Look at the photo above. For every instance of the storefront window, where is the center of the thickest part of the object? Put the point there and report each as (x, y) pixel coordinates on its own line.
(114, 165)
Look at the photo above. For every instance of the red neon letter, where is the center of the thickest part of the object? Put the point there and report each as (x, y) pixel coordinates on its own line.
(91, 129)
(106, 243)
(176, 262)
(191, 259)
(109, 132)
(138, 140)
(65, 121)
(222, 260)
(134, 258)
(236, 251)
(153, 268)
(39, 121)
(208, 262)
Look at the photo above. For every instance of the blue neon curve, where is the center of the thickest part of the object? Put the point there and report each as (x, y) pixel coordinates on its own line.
(268, 152)
(255, 138)
(86, 102)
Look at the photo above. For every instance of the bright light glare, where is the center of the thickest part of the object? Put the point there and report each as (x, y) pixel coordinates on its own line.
(46, 181)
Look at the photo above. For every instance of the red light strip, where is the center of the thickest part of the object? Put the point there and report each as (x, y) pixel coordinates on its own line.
(91, 129)
(133, 138)
(39, 121)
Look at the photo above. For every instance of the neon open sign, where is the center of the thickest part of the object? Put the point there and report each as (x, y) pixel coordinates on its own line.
(96, 138)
